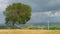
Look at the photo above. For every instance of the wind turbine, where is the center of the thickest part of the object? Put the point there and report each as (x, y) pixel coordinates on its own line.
(48, 24)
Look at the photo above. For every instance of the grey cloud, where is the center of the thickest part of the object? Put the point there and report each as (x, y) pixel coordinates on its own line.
(43, 17)
(41, 5)
(51, 5)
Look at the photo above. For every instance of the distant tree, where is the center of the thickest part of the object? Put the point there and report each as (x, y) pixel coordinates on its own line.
(17, 12)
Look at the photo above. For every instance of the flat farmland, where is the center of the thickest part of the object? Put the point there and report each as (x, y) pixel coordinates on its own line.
(18, 31)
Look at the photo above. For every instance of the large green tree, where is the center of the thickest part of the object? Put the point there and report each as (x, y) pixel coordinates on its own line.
(17, 12)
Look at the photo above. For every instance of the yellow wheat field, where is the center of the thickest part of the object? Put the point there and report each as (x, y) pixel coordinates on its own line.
(17, 31)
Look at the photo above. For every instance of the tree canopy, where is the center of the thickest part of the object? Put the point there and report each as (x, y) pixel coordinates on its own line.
(17, 12)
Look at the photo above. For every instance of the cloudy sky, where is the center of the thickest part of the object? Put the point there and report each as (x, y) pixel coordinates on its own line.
(42, 10)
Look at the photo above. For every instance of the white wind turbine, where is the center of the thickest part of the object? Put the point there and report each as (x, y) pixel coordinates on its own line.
(48, 24)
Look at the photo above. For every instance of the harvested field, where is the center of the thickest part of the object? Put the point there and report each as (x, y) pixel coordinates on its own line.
(17, 31)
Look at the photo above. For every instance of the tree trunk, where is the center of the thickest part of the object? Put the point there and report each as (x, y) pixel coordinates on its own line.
(13, 24)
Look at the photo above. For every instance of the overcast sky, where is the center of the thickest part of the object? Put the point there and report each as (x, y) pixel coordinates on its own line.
(42, 10)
